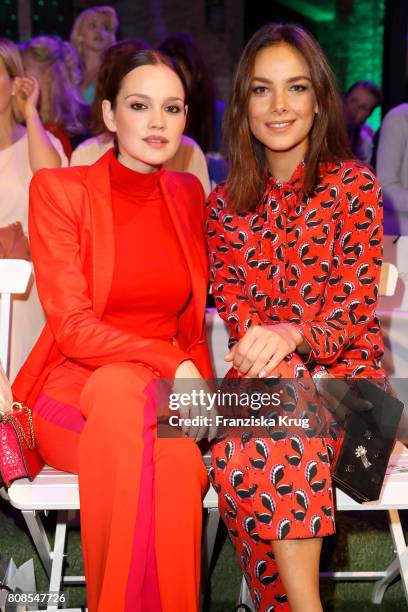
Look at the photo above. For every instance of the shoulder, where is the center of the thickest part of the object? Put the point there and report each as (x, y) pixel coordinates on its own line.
(217, 202)
(398, 114)
(58, 146)
(60, 187)
(55, 176)
(193, 150)
(90, 150)
(354, 189)
(349, 175)
(184, 180)
(189, 143)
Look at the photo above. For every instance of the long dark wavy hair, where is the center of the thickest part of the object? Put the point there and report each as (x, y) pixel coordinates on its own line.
(246, 155)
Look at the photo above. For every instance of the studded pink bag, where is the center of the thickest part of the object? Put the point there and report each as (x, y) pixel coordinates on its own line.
(19, 457)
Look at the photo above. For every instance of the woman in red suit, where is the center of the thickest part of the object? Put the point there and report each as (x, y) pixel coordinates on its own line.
(120, 261)
(295, 252)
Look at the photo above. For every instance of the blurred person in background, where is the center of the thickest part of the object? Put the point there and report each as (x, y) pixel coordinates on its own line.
(93, 32)
(358, 103)
(25, 147)
(205, 111)
(188, 158)
(55, 65)
(392, 169)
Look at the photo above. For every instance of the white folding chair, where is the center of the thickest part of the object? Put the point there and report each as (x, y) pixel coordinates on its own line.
(14, 278)
(388, 279)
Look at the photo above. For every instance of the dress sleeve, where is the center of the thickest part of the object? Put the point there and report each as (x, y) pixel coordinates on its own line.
(64, 293)
(227, 278)
(350, 297)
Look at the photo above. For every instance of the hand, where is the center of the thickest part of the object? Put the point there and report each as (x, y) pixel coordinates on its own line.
(6, 396)
(27, 93)
(339, 396)
(263, 347)
(185, 371)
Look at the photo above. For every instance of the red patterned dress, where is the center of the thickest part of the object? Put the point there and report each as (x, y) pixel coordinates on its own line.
(315, 262)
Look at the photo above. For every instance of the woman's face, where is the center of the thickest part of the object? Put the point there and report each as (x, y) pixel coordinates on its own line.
(6, 88)
(282, 102)
(97, 32)
(149, 117)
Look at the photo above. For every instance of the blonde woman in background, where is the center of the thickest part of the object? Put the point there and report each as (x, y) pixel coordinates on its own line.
(93, 32)
(188, 158)
(54, 63)
(25, 147)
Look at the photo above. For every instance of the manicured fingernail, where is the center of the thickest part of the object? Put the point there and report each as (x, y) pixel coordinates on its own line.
(262, 374)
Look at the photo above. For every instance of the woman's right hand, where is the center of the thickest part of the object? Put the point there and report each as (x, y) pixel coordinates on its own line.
(6, 396)
(186, 373)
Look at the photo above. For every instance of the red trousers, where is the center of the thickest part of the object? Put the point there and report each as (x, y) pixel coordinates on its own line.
(141, 497)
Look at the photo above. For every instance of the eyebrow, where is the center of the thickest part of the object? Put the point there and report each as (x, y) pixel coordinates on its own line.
(144, 97)
(291, 80)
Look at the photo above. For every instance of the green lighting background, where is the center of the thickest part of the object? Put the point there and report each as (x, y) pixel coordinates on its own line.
(351, 33)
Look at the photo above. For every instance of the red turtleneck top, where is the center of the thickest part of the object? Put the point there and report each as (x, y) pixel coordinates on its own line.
(151, 281)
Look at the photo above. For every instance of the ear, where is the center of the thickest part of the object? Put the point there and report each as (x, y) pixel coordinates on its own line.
(108, 116)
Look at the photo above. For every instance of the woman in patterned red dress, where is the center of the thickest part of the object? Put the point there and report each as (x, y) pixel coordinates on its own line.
(295, 250)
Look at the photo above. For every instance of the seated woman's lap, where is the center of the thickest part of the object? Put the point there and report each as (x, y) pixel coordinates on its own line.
(66, 403)
(292, 471)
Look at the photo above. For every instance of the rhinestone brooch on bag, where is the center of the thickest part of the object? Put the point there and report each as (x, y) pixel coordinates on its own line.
(361, 452)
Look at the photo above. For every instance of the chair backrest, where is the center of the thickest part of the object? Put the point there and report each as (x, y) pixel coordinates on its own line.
(14, 278)
(388, 279)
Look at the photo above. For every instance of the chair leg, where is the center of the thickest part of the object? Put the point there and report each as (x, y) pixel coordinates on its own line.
(400, 545)
(40, 538)
(245, 595)
(58, 557)
(380, 586)
(52, 560)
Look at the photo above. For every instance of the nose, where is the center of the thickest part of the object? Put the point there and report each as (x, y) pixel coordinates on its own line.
(279, 102)
(157, 119)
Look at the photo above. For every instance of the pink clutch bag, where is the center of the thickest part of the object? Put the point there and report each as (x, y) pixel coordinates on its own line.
(19, 457)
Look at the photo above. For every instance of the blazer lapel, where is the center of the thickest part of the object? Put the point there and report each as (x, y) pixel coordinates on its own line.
(99, 189)
(193, 248)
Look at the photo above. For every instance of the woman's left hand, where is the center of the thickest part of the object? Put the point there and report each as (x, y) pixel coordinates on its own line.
(263, 347)
(27, 95)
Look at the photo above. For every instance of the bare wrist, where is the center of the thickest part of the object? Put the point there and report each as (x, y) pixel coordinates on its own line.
(31, 114)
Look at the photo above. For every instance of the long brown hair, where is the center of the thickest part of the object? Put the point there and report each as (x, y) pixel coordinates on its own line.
(246, 155)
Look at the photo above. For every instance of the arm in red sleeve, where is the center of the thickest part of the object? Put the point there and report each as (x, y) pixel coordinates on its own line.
(357, 258)
(54, 226)
(227, 278)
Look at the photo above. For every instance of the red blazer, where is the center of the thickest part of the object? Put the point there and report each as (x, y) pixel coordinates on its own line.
(72, 242)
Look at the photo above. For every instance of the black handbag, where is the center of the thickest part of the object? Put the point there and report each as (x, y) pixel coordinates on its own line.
(369, 437)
